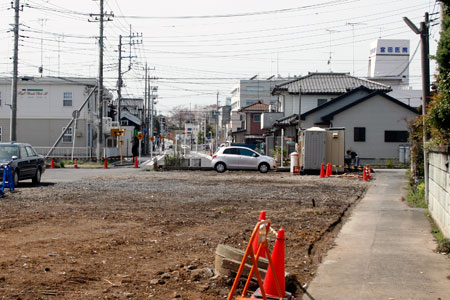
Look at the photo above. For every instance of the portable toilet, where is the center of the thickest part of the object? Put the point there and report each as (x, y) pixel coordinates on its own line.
(313, 148)
(335, 149)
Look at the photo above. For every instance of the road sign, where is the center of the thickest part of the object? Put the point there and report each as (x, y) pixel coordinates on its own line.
(152, 138)
(140, 135)
(117, 132)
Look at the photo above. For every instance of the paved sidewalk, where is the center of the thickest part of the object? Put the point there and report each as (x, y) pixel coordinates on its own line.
(385, 250)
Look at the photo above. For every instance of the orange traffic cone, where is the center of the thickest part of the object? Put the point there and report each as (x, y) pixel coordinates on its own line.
(262, 216)
(329, 170)
(52, 164)
(322, 171)
(136, 162)
(274, 283)
(106, 163)
(369, 170)
(75, 165)
(365, 174)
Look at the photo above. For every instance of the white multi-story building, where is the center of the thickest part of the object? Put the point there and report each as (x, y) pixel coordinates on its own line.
(248, 92)
(45, 105)
(389, 64)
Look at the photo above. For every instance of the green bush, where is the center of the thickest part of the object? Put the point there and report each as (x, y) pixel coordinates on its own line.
(416, 195)
(173, 160)
(444, 246)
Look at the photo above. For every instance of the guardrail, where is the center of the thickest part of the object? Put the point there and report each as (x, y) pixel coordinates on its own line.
(66, 152)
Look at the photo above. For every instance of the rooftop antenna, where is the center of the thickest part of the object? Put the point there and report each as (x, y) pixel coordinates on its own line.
(41, 68)
(330, 31)
(353, 24)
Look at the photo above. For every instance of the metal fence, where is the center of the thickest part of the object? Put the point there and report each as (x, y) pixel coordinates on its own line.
(66, 152)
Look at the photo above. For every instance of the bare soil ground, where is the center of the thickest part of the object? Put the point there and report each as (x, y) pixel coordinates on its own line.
(154, 234)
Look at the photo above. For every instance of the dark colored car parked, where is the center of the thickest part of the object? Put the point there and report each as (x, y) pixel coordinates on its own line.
(24, 161)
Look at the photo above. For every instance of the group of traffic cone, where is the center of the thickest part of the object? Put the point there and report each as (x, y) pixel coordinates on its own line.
(274, 282)
(328, 172)
(367, 173)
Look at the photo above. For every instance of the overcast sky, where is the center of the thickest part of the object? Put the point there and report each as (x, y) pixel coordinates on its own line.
(198, 48)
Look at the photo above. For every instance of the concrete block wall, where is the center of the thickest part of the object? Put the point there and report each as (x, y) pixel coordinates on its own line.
(439, 188)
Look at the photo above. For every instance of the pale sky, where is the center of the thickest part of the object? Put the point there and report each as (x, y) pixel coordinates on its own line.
(198, 48)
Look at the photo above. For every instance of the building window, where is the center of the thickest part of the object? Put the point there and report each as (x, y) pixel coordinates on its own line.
(359, 134)
(397, 49)
(256, 118)
(67, 100)
(390, 49)
(321, 101)
(254, 89)
(396, 136)
(383, 49)
(67, 137)
(405, 50)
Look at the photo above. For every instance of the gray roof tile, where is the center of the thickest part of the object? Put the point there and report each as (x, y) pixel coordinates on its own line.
(328, 83)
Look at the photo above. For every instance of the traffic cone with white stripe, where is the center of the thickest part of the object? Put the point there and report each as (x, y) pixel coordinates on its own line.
(262, 217)
(329, 170)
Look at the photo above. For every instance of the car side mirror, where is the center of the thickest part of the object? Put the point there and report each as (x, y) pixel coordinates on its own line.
(255, 155)
(14, 157)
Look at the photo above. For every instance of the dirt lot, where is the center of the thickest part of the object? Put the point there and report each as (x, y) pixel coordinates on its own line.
(154, 234)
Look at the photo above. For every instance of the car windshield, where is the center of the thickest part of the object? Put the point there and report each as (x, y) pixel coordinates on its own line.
(8, 151)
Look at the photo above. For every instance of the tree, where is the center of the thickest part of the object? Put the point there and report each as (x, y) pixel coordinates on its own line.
(438, 116)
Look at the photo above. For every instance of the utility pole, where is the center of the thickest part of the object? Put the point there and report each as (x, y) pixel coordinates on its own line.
(152, 104)
(217, 119)
(13, 126)
(119, 80)
(100, 18)
(132, 41)
(146, 108)
(425, 49)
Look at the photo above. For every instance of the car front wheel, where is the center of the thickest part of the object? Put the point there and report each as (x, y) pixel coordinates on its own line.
(263, 168)
(220, 167)
(37, 177)
(16, 177)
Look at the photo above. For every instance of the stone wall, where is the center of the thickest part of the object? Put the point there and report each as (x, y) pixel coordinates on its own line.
(439, 188)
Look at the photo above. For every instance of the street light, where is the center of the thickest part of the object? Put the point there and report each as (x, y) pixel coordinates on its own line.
(424, 41)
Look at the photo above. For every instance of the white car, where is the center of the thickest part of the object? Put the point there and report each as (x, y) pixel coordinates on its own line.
(241, 158)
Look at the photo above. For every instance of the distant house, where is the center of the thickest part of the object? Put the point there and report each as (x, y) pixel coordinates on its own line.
(251, 132)
(45, 105)
(315, 89)
(376, 124)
